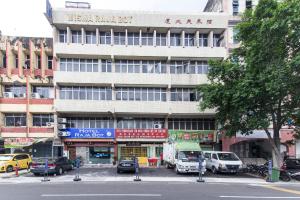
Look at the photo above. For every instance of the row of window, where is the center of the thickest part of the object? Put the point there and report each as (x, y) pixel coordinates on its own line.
(133, 66)
(26, 64)
(20, 91)
(19, 119)
(141, 123)
(145, 39)
(128, 94)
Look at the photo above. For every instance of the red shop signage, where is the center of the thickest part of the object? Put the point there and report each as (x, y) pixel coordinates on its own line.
(142, 133)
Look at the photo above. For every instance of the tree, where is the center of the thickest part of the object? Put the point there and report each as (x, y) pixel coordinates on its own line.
(258, 86)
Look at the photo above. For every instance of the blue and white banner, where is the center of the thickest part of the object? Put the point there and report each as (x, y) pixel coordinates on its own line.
(90, 133)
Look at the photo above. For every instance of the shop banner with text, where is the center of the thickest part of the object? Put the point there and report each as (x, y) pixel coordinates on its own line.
(200, 136)
(142, 133)
(106, 133)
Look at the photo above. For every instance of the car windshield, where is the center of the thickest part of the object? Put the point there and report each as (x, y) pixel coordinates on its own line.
(5, 157)
(227, 156)
(188, 156)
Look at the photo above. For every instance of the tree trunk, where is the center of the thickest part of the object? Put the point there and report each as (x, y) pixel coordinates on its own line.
(275, 144)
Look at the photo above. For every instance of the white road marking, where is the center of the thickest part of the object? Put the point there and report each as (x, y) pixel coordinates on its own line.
(96, 195)
(257, 197)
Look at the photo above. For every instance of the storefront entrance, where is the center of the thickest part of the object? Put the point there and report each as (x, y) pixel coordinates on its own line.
(100, 155)
(127, 152)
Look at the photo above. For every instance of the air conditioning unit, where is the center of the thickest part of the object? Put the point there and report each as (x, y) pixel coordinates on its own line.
(157, 126)
(22, 95)
(8, 95)
(35, 95)
(49, 124)
(61, 126)
(63, 133)
(61, 120)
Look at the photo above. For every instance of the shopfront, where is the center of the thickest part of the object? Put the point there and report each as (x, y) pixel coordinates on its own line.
(206, 138)
(146, 144)
(93, 145)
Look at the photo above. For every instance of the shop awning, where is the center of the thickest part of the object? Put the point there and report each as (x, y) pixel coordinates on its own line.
(188, 146)
(23, 142)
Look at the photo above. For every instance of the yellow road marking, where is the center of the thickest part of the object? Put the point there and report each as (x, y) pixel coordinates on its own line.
(282, 189)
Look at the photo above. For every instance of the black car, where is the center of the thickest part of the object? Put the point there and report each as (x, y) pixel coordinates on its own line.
(126, 165)
(292, 164)
(56, 166)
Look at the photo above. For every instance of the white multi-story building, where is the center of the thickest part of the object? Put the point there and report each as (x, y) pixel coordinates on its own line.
(125, 80)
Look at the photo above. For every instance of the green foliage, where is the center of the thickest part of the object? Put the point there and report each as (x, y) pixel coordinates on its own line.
(259, 83)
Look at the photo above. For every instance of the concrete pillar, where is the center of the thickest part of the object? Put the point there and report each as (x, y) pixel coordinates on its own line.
(113, 92)
(43, 60)
(113, 64)
(2, 121)
(182, 40)
(69, 35)
(126, 37)
(166, 122)
(55, 35)
(211, 39)
(83, 38)
(9, 65)
(154, 38)
(97, 36)
(169, 38)
(197, 39)
(112, 37)
(140, 38)
(21, 60)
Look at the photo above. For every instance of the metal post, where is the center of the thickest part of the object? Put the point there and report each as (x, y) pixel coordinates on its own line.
(270, 166)
(136, 165)
(77, 170)
(46, 175)
(201, 161)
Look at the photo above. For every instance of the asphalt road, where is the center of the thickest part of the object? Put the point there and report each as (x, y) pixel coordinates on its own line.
(144, 191)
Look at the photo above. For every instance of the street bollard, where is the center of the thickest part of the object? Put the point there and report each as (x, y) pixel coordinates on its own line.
(270, 166)
(46, 174)
(77, 162)
(136, 165)
(200, 167)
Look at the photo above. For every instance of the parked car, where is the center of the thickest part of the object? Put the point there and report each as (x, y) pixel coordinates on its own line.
(220, 161)
(292, 164)
(126, 165)
(8, 162)
(56, 166)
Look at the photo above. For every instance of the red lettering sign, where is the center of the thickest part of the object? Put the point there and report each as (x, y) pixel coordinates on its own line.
(142, 133)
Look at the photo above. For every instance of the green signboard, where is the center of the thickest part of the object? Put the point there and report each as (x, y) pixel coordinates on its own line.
(199, 136)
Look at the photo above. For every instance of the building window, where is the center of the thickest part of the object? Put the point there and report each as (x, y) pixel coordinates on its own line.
(119, 38)
(85, 93)
(234, 37)
(188, 67)
(17, 60)
(78, 65)
(17, 91)
(133, 38)
(248, 4)
(175, 39)
(140, 123)
(42, 119)
(235, 7)
(141, 94)
(15, 119)
(76, 37)
(203, 40)
(80, 122)
(161, 39)
(189, 39)
(41, 92)
(157, 67)
(147, 39)
(184, 94)
(27, 62)
(128, 66)
(106, 65)
(90, 37)
(63, 36)
(39, 66)
(191, 124)
(105, 37)
(217, 40)
(50, 62)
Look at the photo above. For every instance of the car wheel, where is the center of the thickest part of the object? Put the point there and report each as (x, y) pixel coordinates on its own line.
(28, 166)
(214, 170)
(176, 170)
(9, 168)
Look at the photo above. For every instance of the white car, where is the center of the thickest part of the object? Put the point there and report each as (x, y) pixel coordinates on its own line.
(221, 161)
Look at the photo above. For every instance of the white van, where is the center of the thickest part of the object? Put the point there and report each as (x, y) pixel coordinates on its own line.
(221, 161)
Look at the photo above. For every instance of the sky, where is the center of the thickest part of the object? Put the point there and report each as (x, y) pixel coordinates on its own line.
(26, 18)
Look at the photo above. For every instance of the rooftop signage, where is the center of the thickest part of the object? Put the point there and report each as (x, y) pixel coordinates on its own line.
(89, 18)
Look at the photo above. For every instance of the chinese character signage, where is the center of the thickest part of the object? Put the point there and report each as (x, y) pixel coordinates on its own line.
(90, 133)
(18, 142)
(200, 136)
(142, 133)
